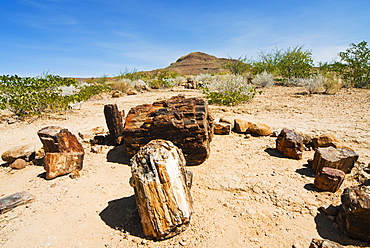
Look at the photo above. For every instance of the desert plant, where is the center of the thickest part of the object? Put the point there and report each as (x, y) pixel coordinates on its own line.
(229, 90)
(237, 66)
(314, 84)
(264, 79)
(332, 84)
(121, 84)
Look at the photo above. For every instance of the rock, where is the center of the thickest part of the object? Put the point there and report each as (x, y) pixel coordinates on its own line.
(228, 120)
(222, 128)
(260, 129)
(162, 195)
(26, 152)
(18, 164)
(184, 121)
(323, 243)
(241, 126)
(290, 144)
(324, 140)
(131, 92)
(58, 164)
(342, 159)
(117, 94)
(329, 179)
(114, 120)
(354, 215)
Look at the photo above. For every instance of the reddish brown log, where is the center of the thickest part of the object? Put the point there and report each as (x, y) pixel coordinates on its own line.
(57, 139)
(58, 164)
(114, 120)
(342, 159)
(354, 216)
(290, 144)
(162, 189)
(184, 121)
(329, 179)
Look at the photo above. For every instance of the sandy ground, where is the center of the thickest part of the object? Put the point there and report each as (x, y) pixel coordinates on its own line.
(245, 194)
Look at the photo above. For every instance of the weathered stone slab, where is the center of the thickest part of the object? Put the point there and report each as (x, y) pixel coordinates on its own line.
(329, 179)
(58, 164)
(342, 159)
(184, 121)
(354, 215)
(290, 144)
(161, 188)
(26, 152)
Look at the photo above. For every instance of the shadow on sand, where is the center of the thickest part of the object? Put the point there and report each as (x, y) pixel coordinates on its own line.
(118, 155)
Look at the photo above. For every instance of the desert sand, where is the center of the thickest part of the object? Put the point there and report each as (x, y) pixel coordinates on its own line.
(245, 194)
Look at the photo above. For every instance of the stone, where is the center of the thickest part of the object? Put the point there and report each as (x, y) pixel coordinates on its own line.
(329, 179)
(342, 159)
(160, 183)
(184, 121)
(222, 128)
(354, 215)
(290, 144)
(323, 243)
(324, 140)
(117, 94)
(58, 164)
(26, 152)
(260, 129)
(114, 120)
(241, 126)
(228, 120)
(18, 164)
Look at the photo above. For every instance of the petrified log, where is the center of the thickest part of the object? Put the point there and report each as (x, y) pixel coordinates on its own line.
(354, 215)
(184, 121)
(57, 139)
(222, 128)
(9, 202)
(290, 144)
(162, 195)
(58, 164)
(323, 243)
(329, 179)
(113, 118)
(342, 159)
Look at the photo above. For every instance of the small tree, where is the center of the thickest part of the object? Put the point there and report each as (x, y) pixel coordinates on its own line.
(295, 63)
(357, 65)
(237, 66)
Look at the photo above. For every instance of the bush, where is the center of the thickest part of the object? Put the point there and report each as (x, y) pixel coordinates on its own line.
(264, 79)
(332, 84)
(229, 90)
(314, 84)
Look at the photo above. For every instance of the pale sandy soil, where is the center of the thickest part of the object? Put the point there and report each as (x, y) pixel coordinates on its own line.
(245, 194)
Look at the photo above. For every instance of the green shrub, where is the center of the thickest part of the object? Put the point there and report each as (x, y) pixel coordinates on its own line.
(264, 79)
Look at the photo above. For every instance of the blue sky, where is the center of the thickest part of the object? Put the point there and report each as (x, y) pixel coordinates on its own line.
(92, 38)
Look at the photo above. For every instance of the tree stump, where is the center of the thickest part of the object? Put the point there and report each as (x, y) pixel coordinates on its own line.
(161, 188)
(114, 120)
(354, 216)
(57, 139)
(290, 144)
(184, 121)
(342, 159)
(58, 164)
(329, 179)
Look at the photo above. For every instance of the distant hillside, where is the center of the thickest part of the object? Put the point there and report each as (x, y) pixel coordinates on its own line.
(197, 63)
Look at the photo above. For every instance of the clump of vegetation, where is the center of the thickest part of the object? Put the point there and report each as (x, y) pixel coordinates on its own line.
(229, 90)
(264, 79)
(314, 84)
(237, 66)
(34, 95)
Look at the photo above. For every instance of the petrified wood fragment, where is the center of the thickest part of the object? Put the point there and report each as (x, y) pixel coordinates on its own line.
(58, 164)
(57, 139)
(329, 179)
(222, 128)
(322, 243)
(114, 120)
(161, 189)
(354, 216)
(342, 159)
(290, 144)
(184, 121)
(9, 202)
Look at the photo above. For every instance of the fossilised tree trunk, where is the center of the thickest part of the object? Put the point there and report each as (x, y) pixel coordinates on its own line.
(58, 164)
(57, 139)
(290, 144)
(184, 121)
(329, 179)
(161, 188)
(354, 216)
(342, 159)
(113, 118)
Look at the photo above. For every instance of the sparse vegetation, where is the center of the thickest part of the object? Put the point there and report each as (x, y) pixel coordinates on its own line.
(237, 66)
(264, 79)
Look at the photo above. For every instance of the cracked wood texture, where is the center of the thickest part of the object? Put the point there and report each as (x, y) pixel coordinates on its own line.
(184, 121)
(114, 120)
(161, 188)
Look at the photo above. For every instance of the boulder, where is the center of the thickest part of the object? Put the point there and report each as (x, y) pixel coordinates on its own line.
(18, 164)
(184, 121)
(290, 144)
(241, 126)
(342, 159)
(324, 140)
(329, 179)
(58, 164)
(26, 152)
(354, 215)
(260, 129)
